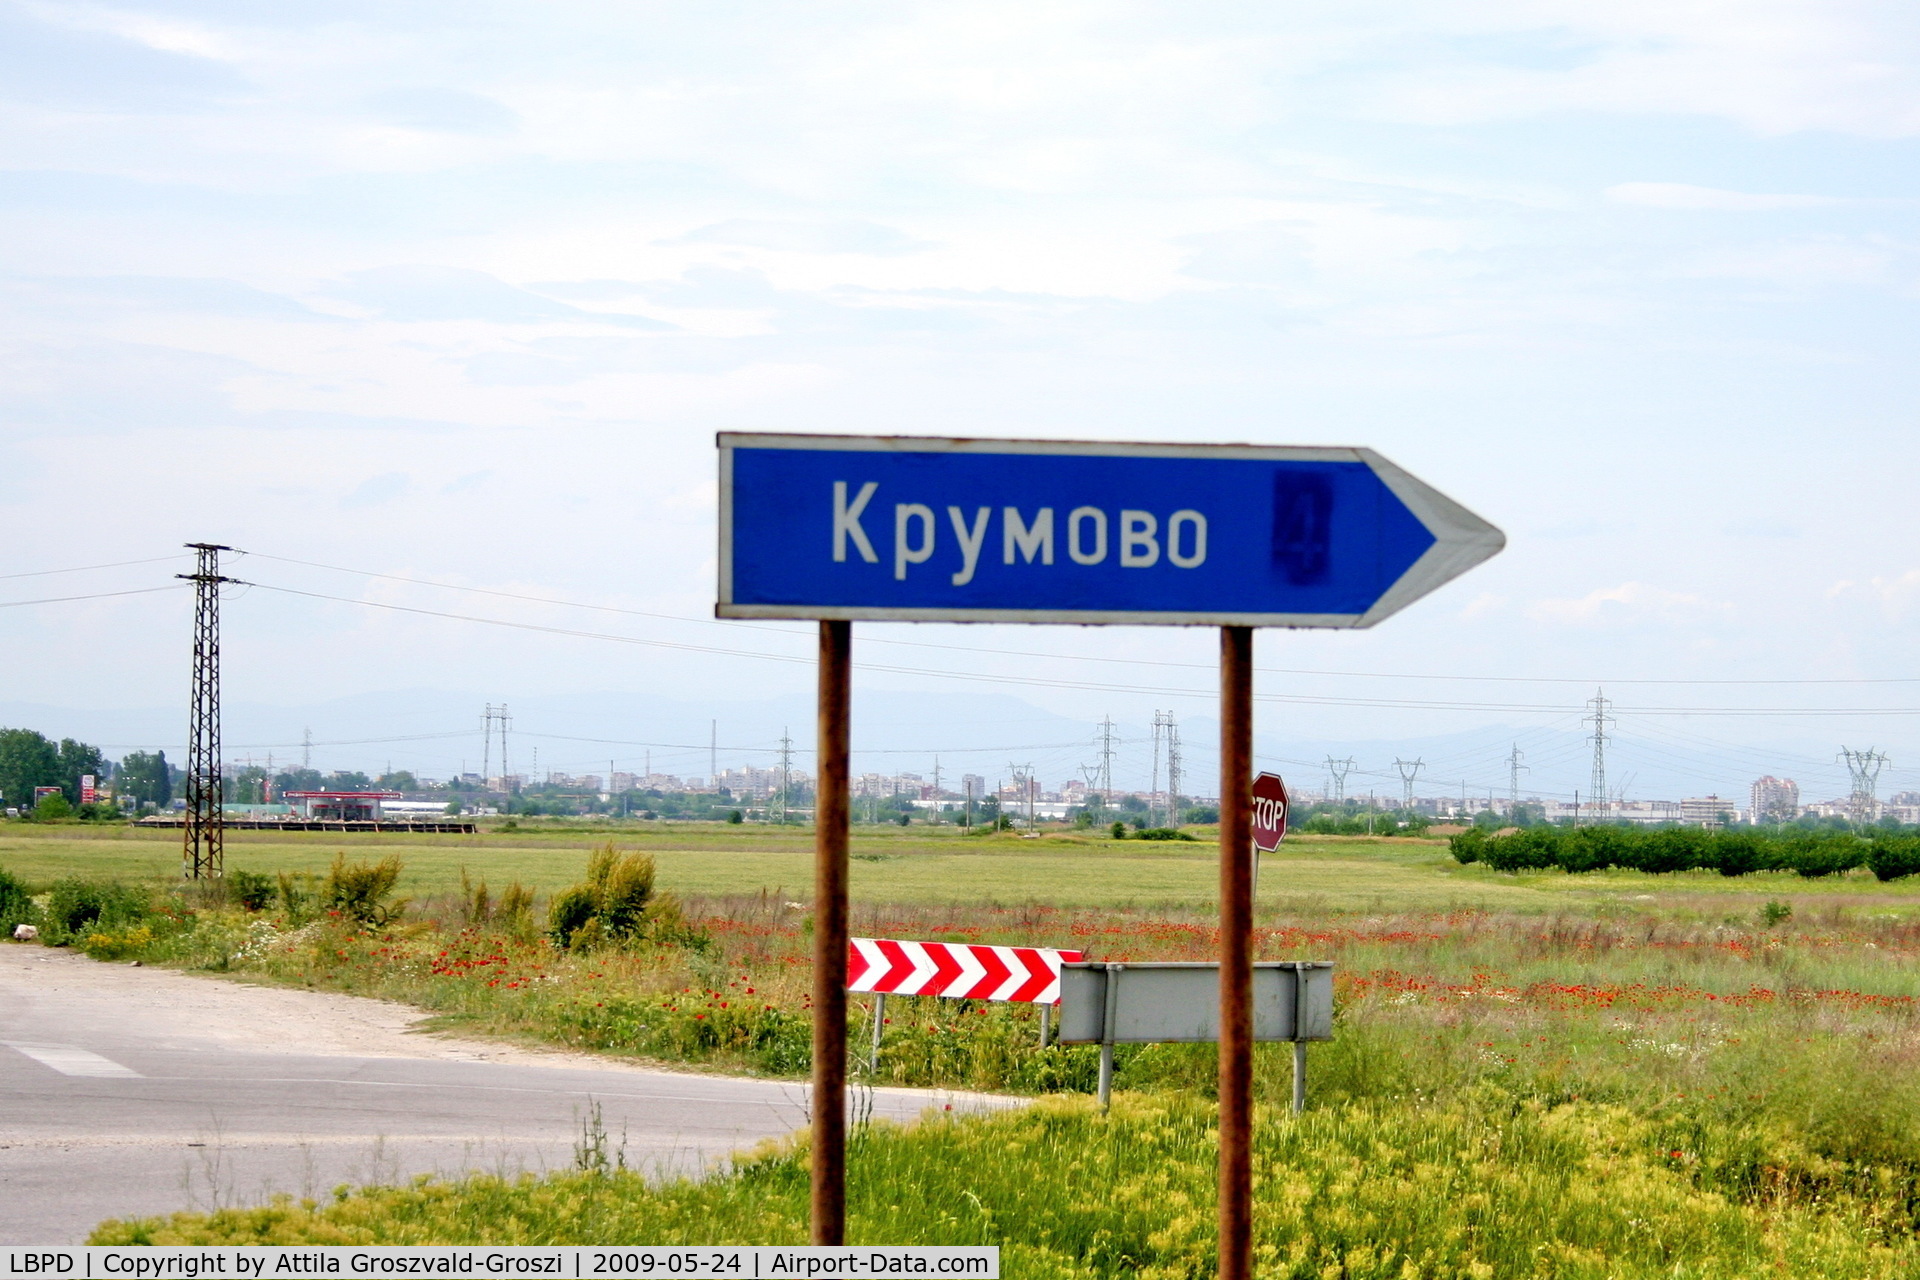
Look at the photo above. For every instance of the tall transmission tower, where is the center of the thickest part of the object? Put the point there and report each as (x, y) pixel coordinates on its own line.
(1863, 767)
(1023, 779)
(1164, 731)
(1409, 770)
(1173, 770)
(1337, 771)
(1597, 789)
(1514, 770)
(1106, 758)
(933, 814)
(786, 771)
(204, 854)
(486, 746)
(306, 749)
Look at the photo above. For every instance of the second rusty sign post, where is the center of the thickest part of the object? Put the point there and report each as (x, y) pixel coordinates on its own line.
(901, 529)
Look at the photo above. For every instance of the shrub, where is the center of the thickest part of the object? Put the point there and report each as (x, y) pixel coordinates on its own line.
(76, 905)
(1118, 831)
(615, 904)
(1529, 849)
(253, 890)
(1467, 845)
(1822, 855)
(294, 898)
(359, 890)
(1889, 858)
(16, 905)
(1161, 833)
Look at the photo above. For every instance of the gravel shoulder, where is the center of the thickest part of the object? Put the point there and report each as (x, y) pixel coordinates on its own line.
(186, 1010)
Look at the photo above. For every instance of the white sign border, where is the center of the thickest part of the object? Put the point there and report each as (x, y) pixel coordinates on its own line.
(1461, 538)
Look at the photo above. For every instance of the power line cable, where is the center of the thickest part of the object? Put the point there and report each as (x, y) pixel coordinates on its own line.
(1025, 653)
(88, 568)
(97, 595)
(1088, 685)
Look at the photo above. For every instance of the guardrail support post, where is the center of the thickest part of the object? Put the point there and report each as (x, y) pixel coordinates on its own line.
(1236, 954)
(1108, 1022)
(829, 1148)
(1299, 1076)
(879, 1021)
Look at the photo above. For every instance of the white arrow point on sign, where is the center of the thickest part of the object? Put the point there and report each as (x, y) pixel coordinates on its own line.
(923, 968)
(1016, 979)
(877, 964)
(971, 970)
(1461, 539)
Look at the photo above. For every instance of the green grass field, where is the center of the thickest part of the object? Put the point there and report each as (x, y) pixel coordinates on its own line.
(1336, 874)
(1575, 1076)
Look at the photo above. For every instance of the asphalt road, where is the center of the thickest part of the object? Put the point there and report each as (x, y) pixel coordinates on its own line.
(137, 1092)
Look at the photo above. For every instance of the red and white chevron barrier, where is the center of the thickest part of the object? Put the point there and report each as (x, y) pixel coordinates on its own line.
(957, 970)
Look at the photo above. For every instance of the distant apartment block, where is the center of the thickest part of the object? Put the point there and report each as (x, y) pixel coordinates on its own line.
(1774, 799)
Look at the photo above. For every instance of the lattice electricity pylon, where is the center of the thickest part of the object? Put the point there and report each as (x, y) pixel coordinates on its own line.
(1863, 768)
(1337, 771)
(1597, 788)
(1409, 770)
(204, 853)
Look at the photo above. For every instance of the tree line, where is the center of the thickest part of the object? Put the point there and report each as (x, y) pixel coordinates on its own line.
(1889, 855)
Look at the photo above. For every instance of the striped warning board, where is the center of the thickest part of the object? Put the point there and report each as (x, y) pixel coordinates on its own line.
(957, 970)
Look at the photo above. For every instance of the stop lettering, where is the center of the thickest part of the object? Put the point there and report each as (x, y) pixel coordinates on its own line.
(1269, 812)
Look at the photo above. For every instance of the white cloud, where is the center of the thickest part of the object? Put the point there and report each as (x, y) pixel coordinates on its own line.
(1681, 195)
(1630, 602)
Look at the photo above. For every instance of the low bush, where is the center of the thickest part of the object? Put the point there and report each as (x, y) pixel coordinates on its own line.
(360, 891)
(252, 890)
(1894, 857)
(1665, 850)
(75, 905)
(16, 905)
(616, 904)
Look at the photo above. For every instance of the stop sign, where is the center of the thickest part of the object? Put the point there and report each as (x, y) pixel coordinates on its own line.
(1269, 812)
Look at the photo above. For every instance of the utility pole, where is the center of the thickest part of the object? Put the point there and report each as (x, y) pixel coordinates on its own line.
(933, 814)
(1409, 770)
(1863, 768)
(1597, 791)
(1514, 770)
(967, 783)
(204, 852)
(713, 753)
(1337, 773)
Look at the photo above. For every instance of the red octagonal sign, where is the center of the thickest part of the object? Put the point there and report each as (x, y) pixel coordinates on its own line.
(1269, 812)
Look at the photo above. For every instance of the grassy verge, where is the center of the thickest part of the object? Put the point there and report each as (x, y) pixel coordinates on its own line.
(1494, 1185)
(1724, 1083)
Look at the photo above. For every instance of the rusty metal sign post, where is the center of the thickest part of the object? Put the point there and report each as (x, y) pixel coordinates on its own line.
(899, 529)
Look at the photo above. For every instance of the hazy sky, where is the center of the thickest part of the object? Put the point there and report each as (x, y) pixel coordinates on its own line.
(461, 292)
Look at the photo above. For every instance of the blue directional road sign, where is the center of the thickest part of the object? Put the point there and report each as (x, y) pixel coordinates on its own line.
(936, 530)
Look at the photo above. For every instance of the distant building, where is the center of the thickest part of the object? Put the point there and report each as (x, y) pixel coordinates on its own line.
(1774, 799)
(1707, 811)
(623, 782)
